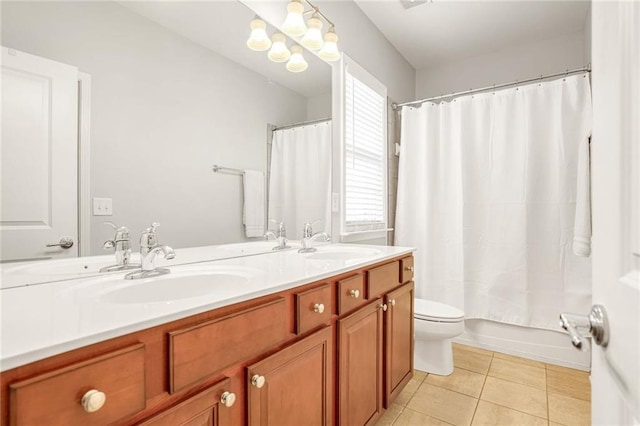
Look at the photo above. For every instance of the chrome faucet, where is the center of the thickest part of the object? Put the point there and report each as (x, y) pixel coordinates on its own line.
(149, 249)
(121, 242)
(309, 237)
(280, 236)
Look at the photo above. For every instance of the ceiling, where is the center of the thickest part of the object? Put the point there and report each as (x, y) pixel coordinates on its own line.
(448, 31)
(223, 27)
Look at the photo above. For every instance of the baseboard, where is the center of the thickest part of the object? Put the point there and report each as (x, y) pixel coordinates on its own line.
(540, 345)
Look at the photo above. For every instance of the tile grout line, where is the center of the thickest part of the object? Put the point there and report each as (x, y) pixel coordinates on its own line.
(482, 388)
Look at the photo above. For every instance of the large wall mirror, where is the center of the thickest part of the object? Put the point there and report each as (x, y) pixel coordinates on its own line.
(174, 90)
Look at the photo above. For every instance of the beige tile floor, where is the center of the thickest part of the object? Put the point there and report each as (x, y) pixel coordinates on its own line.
(490, 388)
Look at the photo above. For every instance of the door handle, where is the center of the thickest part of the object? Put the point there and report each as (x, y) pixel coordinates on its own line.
(596, 323)
(65, 243)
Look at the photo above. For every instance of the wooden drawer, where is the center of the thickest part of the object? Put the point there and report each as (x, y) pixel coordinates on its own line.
(313, 308)
(198, 352)
(350, 293)
(204, 408)
(406, 269)
(382, 279)
(55, 398)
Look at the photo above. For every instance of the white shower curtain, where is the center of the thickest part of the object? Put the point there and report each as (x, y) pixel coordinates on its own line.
(486, 192)
(300, 181)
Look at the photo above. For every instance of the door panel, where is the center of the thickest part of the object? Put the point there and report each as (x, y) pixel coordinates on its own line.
(615, 156)
(360, 365)
(38, 157)
(298, 384)
(398, 341)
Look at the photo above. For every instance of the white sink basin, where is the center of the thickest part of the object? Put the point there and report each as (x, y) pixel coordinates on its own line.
(342, 253)
(177, 286)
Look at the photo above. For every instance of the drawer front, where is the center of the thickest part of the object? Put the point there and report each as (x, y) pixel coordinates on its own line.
(55, 398)
(351, 293)
(197, 352)
(382, 279)
(313, 308)
(406, 269)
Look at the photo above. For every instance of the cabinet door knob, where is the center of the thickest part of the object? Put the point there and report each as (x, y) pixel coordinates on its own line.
(258, 381)
(354, 293)
(392, 302)
(93, 400)
(408, 268)
(383, 306)
(228, 399)
(318, 307)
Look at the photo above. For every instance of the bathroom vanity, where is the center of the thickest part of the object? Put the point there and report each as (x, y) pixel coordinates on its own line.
(324, 338)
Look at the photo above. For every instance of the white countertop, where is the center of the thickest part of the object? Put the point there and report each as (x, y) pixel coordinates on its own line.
(39, 321)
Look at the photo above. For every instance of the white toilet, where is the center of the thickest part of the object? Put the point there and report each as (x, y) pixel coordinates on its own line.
(435, 324)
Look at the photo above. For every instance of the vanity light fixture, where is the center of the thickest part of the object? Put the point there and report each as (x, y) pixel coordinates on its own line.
(309, 35)
(279, 51)
(313, 37)
(294, 23)
(258, 40)
(296, 62)
(329, 50)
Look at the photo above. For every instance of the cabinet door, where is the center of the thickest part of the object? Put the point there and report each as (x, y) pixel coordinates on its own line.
(210, 407)
(360, 365)
(293, 386)
(398, 341)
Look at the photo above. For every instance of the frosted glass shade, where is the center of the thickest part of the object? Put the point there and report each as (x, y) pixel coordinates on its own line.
(294, 23)
(330, 51)
(297, 62)
(258, 40)
(313, 37)
(279, 51)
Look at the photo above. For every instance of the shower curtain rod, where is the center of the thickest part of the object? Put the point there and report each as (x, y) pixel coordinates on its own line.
(495, 86)
(304, 123)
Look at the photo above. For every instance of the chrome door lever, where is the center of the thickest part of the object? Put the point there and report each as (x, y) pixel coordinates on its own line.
(596, 323)
(65, 243)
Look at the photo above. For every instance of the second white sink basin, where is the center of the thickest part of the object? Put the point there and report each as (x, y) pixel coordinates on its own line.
(342, 253)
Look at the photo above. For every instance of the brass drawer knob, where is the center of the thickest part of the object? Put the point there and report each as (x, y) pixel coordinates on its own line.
(258, 381)
(228, 399)
(392, 302)
(383, 306)
(318, 308)
(93, 400)
(408, 268)
(354, 293)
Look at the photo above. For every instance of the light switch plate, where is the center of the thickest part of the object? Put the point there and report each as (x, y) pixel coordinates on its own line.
(102, 207)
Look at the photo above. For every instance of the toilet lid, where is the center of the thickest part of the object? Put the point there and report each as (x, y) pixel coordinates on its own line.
(435, 311)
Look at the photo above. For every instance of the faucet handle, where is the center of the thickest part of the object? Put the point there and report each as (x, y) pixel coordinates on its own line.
(148, 237)
(282, 230)
(307, 229)
(153, 227)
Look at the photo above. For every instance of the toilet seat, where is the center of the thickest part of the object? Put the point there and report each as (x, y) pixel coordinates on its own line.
(429, 310)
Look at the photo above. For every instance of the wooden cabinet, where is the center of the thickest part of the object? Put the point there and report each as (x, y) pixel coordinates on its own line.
(398, 331)
(210, 407)
(375, 347)
(360, 365)
(293, 386)
(278, 359)
(62, 396)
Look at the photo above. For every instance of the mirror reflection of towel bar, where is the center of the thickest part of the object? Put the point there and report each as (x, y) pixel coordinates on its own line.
(217, 169)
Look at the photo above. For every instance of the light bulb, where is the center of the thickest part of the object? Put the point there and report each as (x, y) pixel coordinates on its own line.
(294, 23)
(279, 51)
(258, 40)
(313, 37)
(297, 62)
(330, 51)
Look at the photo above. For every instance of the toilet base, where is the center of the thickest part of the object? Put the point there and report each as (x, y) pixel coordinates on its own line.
(433, 356)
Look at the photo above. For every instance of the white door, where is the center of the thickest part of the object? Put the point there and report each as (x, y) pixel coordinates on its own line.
(38, 160)
(615, 156)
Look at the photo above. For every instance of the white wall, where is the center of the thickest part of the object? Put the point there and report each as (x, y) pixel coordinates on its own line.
(319, 106)
(164, 110)
(515, 63)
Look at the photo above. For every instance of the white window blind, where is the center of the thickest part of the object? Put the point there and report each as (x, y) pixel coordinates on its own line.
(365, 157)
